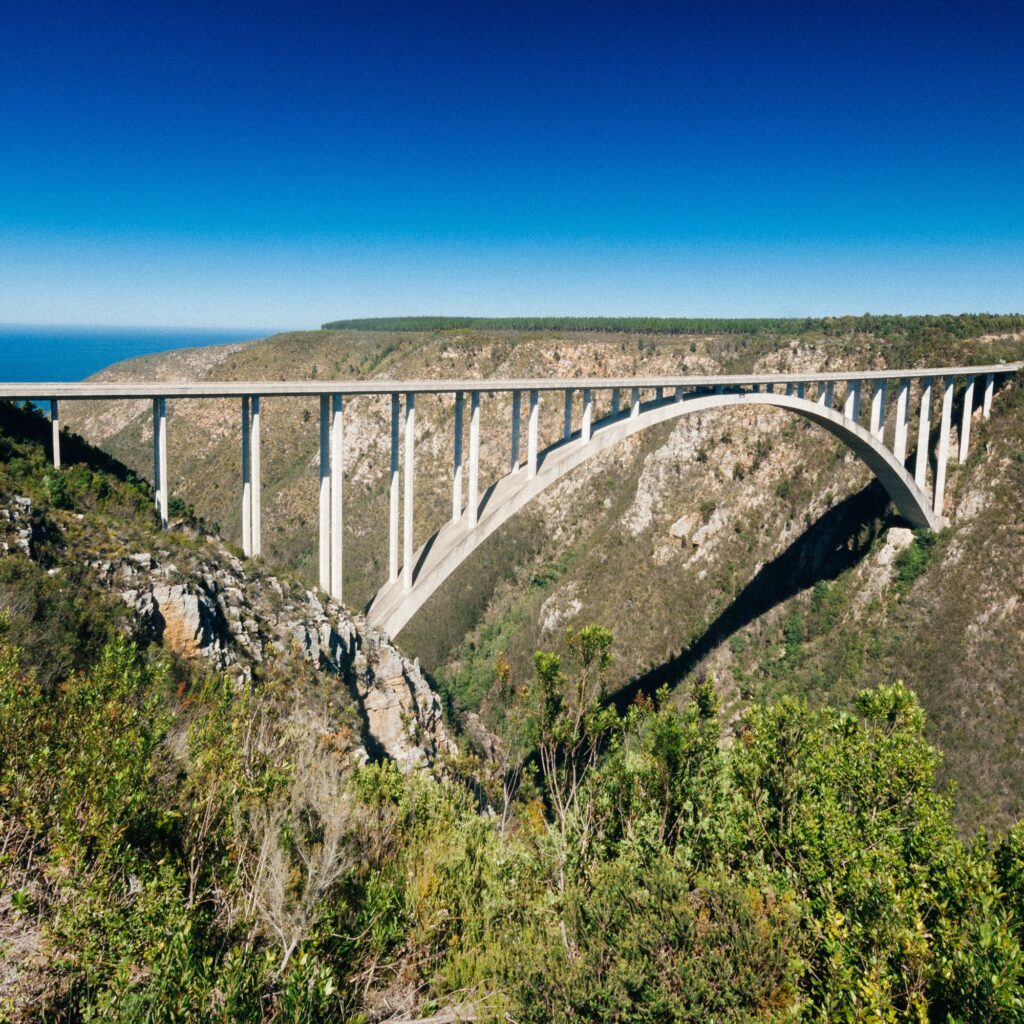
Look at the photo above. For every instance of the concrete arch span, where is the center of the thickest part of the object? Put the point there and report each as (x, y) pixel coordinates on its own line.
(392, 606)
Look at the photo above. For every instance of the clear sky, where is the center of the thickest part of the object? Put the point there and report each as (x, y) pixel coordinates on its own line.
(287, 163)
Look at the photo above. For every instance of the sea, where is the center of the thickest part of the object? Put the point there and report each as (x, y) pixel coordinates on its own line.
(35, 353)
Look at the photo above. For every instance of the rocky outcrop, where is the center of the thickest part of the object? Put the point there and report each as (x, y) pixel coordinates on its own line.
(203, 604)
(237, 621)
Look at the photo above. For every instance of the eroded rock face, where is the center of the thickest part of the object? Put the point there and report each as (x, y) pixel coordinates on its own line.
(237, 621)
(214, 610)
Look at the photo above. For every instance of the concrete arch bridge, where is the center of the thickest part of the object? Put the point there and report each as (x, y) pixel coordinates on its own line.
(854, 407)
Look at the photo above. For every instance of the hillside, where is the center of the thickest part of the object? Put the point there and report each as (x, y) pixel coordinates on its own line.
(204, 816)
(784, 591)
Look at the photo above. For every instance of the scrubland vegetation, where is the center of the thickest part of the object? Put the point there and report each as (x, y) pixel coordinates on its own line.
(175, 854)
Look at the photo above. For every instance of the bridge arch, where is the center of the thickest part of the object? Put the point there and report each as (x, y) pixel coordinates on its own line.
(392, 607)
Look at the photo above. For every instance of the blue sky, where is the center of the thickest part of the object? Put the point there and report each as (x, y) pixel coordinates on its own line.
(286, 164)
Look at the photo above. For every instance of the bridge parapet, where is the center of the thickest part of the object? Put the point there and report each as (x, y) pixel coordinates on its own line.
(834, 401)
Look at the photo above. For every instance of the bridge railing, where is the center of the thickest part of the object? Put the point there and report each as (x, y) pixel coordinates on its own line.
(626, 398)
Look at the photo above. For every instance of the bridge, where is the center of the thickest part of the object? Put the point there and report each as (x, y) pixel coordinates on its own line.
(856, 407)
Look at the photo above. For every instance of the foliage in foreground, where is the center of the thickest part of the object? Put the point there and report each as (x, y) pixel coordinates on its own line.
(217, 855)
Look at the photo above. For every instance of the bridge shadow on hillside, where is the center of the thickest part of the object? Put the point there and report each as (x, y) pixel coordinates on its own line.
(834, 543)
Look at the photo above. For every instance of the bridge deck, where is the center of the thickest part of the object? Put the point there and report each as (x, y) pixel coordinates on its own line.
(41, 391)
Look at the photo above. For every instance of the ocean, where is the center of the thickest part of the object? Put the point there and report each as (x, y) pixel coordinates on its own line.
(71, 353)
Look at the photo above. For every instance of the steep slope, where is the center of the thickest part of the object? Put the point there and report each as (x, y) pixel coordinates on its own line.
(684, 539)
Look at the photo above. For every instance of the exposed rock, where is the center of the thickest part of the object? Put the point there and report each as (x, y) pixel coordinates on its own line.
(685, 527)
(560, 607)
(897, 539)
(212, 610)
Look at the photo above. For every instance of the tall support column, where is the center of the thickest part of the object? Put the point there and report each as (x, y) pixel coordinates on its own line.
(769, 389)
(851, 404)
(337, 478)
(615, 400)
(410, 476)
(820, 398)
(256, 476)
(55, 428)
(393, 492)
(943, 459)
(899, 446)
(325, 494)
(659, 394)
(986, 402)
(634, 408)
(531, 434)
(789, 389)
(160, 457)
(924, 431)
(474, 458)
(965, 424)
(567, 427)
(457, 460)
(679, 394)
(801, 389)
(156, 454)
(246, 481)
(517, 416)
(588, 415)
(878, 409)
(830, 394)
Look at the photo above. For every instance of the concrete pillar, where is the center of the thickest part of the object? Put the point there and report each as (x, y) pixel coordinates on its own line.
(878, 409)
(55, 428)
(325, 494)
(801, 389)
(679, 394)
(830, 394)
(410, 477)
(820, 397)
(924, 430)
(156, 454)
(337, 477)
(246, 481)
(789, 389)
(393, 493)
(659, 394)
(474, 457)
(634, 408)
(943, 459)
(965, 425)
(517, 415)
(769, 389)
(899, 446)
(986, 402)
(588, 415)
(457, 462)
(160, 457)
(531, 434)
(851, 405)
(256, 476)
(567, 428)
